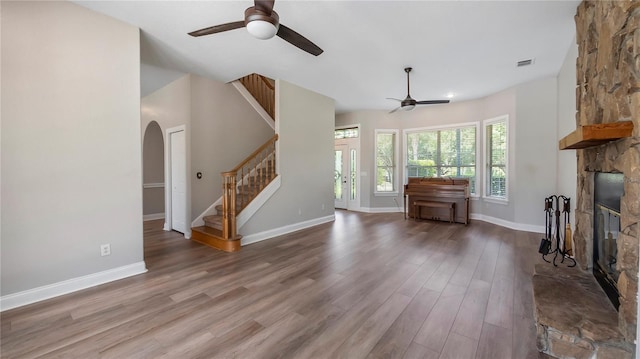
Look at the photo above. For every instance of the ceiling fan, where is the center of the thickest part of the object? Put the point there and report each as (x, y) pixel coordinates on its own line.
(263, 23)
(409, 103)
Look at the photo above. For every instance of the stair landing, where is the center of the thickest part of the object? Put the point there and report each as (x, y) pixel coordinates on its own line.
(212, 237)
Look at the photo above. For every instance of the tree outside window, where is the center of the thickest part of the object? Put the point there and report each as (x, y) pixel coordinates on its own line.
(496, 137)
(386, 161)
(443, 152)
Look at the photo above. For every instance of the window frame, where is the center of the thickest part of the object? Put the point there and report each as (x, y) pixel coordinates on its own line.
(346, 128)
(395, 183)
(409, 131)
(486, 195)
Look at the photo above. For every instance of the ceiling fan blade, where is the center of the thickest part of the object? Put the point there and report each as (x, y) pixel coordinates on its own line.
(431, 102)
(265, 6)
(391, 98)
(395, 109)
(298, 40)
(217, 28)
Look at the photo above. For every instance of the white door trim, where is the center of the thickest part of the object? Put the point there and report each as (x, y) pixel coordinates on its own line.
(167, 176)
(353, 143)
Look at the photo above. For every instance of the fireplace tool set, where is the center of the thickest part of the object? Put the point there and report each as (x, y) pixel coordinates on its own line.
(557, 239)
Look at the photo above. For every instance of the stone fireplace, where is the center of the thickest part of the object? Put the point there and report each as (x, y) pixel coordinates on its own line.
(607, 94)
(608, 90)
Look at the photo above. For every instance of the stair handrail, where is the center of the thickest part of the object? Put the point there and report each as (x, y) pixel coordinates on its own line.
(253, 154)
(266, 82)
(263, 157)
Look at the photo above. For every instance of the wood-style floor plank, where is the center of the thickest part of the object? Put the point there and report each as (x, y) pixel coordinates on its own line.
(417, 351)
(364, 286)
(398, 337)
(500, 306)
(365, 338)
(495, 343)
(435, 330)
(470, 317)
(459, 346)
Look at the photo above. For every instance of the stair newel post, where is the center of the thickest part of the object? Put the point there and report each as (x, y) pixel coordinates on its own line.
(229, 205)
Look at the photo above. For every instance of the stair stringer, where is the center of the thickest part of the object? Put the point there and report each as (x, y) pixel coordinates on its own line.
(254, 103)
(262, 198)
(199, 221)
(248, 212)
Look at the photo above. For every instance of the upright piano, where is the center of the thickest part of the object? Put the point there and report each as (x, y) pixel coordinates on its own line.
(437, 189)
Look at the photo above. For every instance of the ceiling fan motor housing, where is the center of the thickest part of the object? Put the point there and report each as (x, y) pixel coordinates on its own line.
(408, 102)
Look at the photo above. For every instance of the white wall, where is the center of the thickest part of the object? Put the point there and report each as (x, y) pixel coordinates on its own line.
(566, 180)
(169, 106)
(305, 124)
(71, 144)
(536, 148)
(153, 78)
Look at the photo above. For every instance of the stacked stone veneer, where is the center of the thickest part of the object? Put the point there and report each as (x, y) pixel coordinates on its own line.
(573, 315)
(608, 73)
(574, 319)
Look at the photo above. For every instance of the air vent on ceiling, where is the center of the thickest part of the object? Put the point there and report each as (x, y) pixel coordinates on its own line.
(525, 62)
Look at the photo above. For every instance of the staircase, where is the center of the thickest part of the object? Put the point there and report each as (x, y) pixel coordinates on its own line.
(240, 186)
(263, 90)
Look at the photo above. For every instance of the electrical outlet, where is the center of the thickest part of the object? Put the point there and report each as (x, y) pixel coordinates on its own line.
(323, 206)
(105, 249)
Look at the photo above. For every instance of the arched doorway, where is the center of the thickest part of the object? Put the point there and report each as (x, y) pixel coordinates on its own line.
(153, 173)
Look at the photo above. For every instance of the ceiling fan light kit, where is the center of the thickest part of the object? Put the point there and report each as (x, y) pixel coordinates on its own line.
(262, 30)
(260, 25)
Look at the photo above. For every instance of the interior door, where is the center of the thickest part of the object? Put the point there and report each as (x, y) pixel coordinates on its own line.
(341, 176)
(178, 182)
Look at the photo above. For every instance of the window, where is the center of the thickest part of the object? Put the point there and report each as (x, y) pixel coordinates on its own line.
(496, 142)
(386, 161)
(443, 152)
(346, 133)
(354, 174)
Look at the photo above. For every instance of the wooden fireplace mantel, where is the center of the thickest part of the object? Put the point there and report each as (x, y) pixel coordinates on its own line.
(594, 135)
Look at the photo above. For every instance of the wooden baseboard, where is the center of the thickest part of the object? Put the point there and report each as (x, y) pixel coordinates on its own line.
(209, 237)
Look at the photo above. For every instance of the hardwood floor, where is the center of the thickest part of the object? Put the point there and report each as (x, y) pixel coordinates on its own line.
(364, 286)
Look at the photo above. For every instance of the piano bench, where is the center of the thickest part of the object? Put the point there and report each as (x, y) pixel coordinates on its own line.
(434, 204)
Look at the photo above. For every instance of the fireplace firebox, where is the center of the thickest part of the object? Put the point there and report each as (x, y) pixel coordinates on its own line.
(608, 190)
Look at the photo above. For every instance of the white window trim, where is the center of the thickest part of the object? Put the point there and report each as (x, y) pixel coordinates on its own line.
(396, 145)
(408, 131)
(485, 196)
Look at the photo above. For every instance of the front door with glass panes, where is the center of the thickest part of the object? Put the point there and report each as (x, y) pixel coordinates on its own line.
(346, 168)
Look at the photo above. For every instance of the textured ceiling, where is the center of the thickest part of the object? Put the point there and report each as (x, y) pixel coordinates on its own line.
(468, 48)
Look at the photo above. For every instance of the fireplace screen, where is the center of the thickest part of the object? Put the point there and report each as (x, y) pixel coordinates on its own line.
(609, 188)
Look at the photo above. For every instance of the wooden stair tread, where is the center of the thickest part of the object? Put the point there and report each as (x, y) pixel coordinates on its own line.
(208, 231)
(213, 238)
(213, 221)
